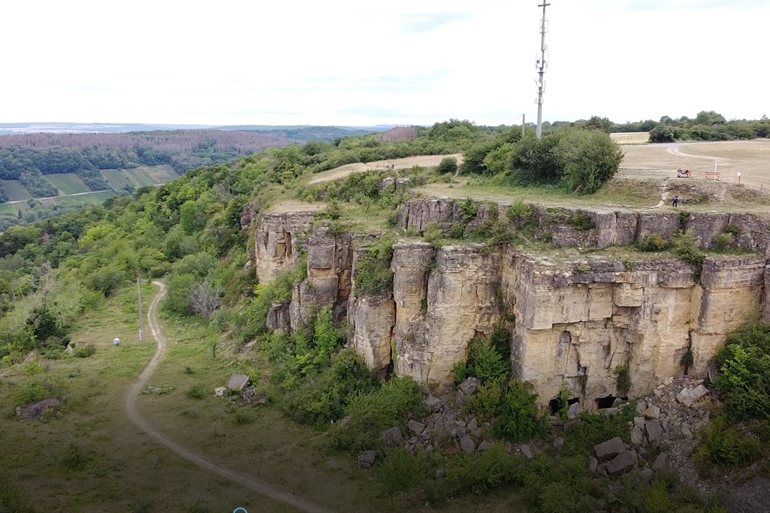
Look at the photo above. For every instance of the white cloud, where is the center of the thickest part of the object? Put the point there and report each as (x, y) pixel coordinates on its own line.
(355, 62)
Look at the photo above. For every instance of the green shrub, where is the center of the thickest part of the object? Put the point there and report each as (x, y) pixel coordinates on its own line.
(84, 351)
(323, 398)
(29, 392)
(622, 380)
(724, 241)
(511, 406)
(402, 471)
(520, 213)
(687, 360)
(745, 372)
(457, 231)
(595, 429)
(447, 165)
(488, 357)
(105, 280)
(75, 459)
(373, 275)
(468, 210)
(433, 233)
(197, 391)
(652, 242)
(244, 416)
(686, 248)
(376, 411)
(726, 446)
(486, 362)
(480, 472)
(582, 221)
(732, 229)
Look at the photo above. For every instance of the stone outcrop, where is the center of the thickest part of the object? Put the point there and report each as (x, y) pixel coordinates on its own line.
(581, 323)
(278, 241)
(606, 227)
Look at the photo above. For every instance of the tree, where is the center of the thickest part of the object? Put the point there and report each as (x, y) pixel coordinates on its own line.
(661, 133)
(205, 298)
(597, 123)
(447, 165)
(589, 159)
(709, 118)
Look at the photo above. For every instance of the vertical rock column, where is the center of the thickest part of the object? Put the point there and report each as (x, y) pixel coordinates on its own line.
(462, 302)
(328, 282)
(371, 318)
(412, 263)
(733, 289)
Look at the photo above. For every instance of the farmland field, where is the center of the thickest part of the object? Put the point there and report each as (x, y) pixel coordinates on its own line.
(631, 137)
(95, 198)
(140, 176)
(116, 179)
(67, 183)
(15, 190)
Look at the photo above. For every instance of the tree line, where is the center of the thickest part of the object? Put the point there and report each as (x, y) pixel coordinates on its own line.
(705, 126)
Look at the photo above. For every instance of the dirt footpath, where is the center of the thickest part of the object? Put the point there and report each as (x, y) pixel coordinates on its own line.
(405, 163)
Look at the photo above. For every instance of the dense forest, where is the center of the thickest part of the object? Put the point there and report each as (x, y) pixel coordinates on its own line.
(190, 232)
(86, 153)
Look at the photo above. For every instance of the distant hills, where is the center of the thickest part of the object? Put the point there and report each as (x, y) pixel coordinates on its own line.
(298, 133)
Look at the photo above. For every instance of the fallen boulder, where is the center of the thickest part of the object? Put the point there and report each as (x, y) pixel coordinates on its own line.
(622, 463)
(609, 449)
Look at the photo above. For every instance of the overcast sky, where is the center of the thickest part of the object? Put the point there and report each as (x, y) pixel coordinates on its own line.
(368, 62)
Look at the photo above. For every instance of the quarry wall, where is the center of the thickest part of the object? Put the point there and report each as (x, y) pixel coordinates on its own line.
(575, 323)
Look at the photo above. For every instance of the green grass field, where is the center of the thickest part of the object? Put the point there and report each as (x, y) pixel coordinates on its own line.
(97, 198)
(140, 176)
(86, 456)
(15, 190)
(67, 183)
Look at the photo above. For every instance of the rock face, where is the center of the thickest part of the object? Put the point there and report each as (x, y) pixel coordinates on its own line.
(278, 240)
(580, 323)
(460, 303)
(605, 227)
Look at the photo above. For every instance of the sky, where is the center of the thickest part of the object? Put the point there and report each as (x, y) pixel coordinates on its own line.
(370, 62)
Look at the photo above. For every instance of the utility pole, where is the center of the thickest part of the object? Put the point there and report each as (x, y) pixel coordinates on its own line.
(523, 125)
(541, 65)
(139, 301)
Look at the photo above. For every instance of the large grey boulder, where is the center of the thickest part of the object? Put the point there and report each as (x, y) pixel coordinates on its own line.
(609, 449)
(637, 436)
(661, 462)
(470, 386)
(622, 463)
(654, 431)
(467, 444)
(416, 427)
(433, 404)
(238, 382)
(366, 459)
(392, 437)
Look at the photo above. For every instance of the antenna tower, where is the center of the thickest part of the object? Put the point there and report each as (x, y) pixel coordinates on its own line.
(540, 65)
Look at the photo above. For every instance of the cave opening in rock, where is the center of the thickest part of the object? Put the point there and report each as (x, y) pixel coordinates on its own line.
(555, 405)
(602, 403)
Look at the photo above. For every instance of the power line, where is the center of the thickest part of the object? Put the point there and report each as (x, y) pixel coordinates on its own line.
(540, 65)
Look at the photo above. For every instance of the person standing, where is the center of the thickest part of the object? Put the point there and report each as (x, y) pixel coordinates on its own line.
(675, 203)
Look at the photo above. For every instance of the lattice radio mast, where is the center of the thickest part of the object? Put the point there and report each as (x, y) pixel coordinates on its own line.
(540, 65)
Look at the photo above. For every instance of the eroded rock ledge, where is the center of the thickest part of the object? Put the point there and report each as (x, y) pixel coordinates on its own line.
(576, 323)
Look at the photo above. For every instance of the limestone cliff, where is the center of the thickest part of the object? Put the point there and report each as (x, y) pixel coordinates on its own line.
(577, 323)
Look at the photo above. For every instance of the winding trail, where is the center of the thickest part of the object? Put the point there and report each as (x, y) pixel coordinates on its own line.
(257, 485)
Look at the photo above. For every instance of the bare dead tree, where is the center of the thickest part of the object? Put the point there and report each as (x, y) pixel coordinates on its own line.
(205, 298)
